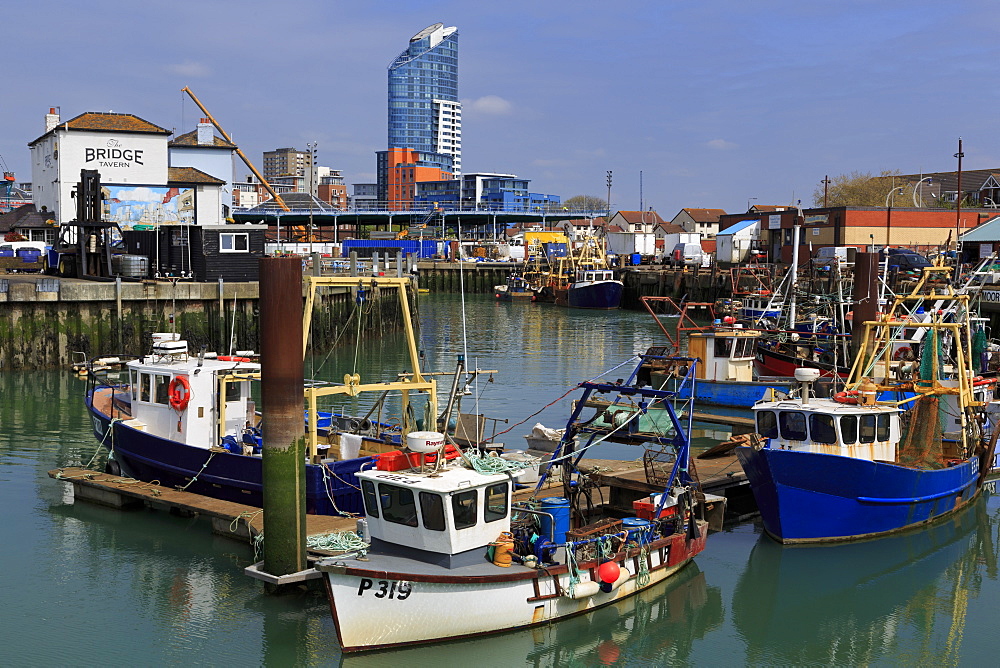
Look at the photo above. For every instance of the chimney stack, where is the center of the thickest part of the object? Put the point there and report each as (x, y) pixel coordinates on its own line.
(51, 119)
(206, 134)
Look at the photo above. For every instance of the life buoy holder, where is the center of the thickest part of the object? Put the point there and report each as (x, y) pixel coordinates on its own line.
(903, 353)
(179, 392)
(848, 397)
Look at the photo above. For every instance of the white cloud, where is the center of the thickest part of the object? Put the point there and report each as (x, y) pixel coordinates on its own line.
(189, 68)
(721, 145)
(493, 105)
(138, 195)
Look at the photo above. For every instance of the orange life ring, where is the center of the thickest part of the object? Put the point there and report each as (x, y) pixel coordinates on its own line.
(849, 397)
(179, 392)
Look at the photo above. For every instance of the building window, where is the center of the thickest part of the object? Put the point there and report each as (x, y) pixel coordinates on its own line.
(234, 242)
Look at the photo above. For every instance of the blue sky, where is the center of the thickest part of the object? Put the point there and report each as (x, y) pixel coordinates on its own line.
(715, 102)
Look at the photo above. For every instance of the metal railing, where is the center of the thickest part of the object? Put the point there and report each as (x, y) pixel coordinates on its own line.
(426, 211)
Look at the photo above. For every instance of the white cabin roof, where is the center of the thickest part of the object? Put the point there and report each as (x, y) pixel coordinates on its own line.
(828, 406)
(452, 479)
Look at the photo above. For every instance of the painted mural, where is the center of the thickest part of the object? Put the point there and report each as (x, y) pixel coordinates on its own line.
(144, 205)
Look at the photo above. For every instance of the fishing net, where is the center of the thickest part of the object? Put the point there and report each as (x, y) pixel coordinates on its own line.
(978, 348)
(929, 357)
(921, 444)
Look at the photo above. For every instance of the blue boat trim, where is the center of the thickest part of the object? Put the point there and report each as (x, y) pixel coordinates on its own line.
(916, 499)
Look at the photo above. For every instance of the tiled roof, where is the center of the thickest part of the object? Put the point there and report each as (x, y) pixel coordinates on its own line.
(23, 216)
(101, 121)
(641, 217)
(187, 175)
(191, 139)
(705, 215)
(670, 228)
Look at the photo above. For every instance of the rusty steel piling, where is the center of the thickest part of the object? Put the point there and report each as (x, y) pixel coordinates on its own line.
(283, 429)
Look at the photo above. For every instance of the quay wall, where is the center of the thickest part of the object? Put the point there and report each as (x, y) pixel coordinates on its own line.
(46, 322)
(700, 284)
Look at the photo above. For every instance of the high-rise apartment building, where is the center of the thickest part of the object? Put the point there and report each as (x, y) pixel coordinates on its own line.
(425, 114)
(289, 165)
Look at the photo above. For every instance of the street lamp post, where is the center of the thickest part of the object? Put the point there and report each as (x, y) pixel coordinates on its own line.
(888, 212)
(609, 194)
(916, 188)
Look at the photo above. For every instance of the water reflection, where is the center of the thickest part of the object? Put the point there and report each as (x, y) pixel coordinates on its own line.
(655, 627)
(854, 604)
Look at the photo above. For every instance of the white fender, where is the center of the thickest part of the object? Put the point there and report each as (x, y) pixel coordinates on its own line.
(584, 589)
(622, 578)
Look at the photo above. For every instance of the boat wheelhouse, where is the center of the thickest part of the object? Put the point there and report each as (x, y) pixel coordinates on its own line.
(726, 375)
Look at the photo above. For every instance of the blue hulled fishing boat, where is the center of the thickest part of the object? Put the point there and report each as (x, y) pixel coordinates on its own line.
(858, 465)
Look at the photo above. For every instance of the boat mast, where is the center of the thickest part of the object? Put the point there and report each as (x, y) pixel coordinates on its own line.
(796, 231)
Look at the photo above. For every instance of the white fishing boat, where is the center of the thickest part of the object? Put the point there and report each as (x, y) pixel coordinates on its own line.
(450, 554)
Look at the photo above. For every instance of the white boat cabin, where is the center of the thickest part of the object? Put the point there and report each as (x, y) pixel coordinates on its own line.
(447, 513)
(727, 354)
(594, 275)
(216, 401)
(830, 427)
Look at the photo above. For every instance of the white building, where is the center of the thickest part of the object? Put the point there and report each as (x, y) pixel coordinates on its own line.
(144, 182)
(207, 153)
(734, 242)
(702, 221)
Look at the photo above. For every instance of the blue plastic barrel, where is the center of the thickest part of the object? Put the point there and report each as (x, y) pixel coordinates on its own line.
(636, 258)
(558, 507)
(634, 526)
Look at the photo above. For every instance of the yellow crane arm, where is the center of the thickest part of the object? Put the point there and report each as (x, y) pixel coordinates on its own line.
(246, 160)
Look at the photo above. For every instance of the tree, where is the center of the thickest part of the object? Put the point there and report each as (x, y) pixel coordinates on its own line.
(585, 203)
(863, 189)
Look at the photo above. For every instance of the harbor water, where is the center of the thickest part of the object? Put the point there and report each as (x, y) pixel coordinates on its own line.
(88, 585)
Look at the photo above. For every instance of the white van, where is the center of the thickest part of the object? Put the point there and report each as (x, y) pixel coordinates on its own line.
(686, 255)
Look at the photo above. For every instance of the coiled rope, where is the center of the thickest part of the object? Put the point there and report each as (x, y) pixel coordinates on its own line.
(342, 541)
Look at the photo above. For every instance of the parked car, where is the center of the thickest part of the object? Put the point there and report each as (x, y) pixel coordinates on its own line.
(903, 259)
(687, 255)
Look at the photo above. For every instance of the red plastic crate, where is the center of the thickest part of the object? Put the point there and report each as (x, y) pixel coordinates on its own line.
(397, 460)
(645, 508)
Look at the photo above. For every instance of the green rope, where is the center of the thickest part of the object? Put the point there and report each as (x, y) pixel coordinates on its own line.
(211, 453)
(489, 465)
(342, 541)
(571, 567)
(642, 577)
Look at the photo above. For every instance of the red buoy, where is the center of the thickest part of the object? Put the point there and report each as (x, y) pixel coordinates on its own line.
(608, 572)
